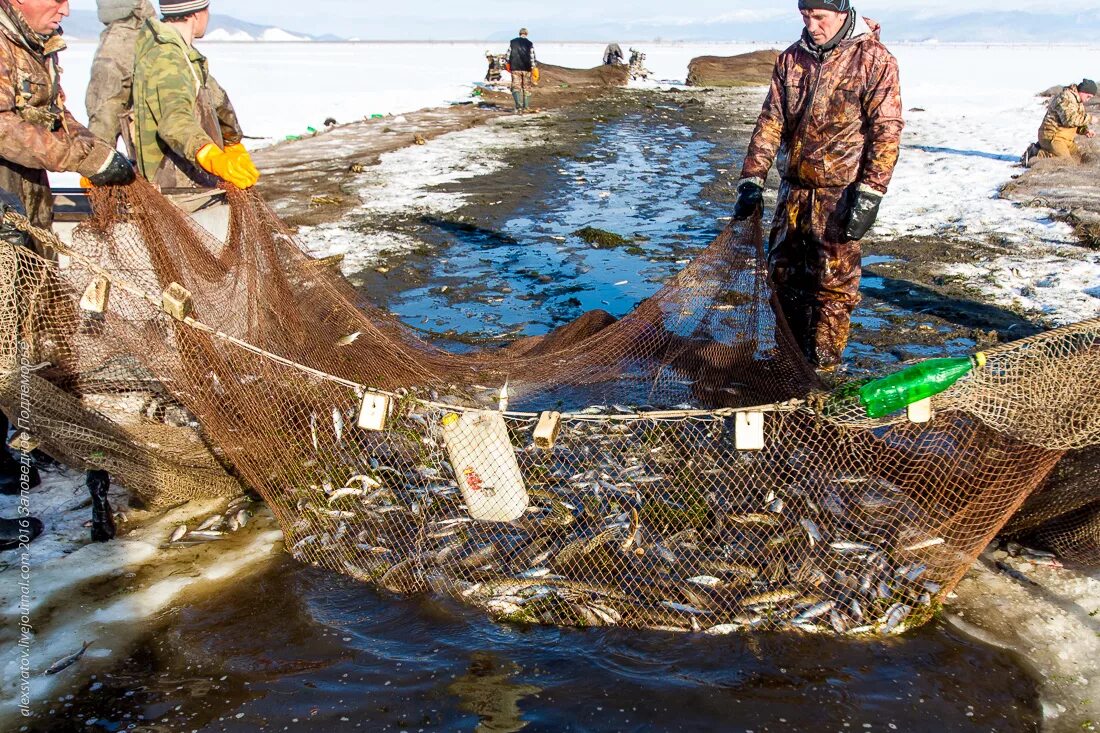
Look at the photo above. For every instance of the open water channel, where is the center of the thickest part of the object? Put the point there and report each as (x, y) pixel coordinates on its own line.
(299, 649)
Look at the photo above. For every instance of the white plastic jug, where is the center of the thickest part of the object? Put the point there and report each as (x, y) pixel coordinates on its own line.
(486, 466)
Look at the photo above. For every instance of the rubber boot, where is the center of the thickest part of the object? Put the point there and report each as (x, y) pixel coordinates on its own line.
(518, 97)
(103, 521)
(14, 532)
(11, 472)
(526, 102)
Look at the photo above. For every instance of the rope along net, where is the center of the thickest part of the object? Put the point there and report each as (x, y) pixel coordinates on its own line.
(697, 479)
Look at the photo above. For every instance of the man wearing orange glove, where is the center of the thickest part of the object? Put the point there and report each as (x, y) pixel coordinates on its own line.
(186, 134)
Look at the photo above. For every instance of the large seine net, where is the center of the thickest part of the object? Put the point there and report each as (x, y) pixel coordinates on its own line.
(643, 512)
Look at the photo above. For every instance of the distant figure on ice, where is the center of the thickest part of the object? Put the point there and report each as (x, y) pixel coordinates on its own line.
(186, 133)
(1066, 118)
(612, 55)
(834, 117)
(524, 67)
(494, 73)
(637, 65)
(109, 97)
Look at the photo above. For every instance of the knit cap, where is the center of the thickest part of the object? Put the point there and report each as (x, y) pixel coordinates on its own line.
(839, 6)
(180, 8)
(1088, 86)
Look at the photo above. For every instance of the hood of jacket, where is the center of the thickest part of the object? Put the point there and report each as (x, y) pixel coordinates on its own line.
(112, 11)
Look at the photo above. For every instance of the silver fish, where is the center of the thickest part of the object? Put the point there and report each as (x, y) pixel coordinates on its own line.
(208, 534)
(338, 425)
(812, 532)
(313, 431)
(349, 339)
(925, 544)
(242, 517)
(897, 613)
(344, 492)
(178, 533)
(776, 507)
(818, 609)
(210, 523)
(68, 661)
(911, 572)
(682, 608)
(850, 547)
(705, 580)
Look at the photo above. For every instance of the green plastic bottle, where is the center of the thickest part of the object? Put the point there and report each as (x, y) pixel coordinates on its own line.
(920, 381)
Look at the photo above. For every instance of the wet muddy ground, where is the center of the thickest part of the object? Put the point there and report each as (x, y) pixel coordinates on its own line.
(658, 169)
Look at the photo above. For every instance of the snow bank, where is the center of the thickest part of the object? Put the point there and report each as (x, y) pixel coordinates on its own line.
(405, 183)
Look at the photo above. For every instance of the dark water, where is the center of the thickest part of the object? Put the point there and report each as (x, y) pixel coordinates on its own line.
(301, 649)
(641, 181)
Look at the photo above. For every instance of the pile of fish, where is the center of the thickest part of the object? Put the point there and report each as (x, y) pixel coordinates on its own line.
(641, 524)
(217, 526)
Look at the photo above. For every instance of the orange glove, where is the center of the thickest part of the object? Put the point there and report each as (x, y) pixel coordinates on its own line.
(535, 74)
(232, 164)
(85, 183)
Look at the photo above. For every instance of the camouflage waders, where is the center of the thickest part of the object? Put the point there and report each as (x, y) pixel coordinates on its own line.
(815, 271)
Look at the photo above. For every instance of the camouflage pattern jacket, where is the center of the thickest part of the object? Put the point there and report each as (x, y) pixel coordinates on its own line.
(36, 131)
(109, 91)
(1065, 110)
(171, 82)
(833, 121)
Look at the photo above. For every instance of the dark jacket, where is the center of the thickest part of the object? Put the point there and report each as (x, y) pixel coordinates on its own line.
(831, 122)
(521, 55)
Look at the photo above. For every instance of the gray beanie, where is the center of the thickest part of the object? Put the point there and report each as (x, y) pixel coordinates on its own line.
(1088, 86)
(181, 8)
(839, 6)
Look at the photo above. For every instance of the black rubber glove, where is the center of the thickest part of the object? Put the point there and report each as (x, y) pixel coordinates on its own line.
(117, 172)
(9, 234)
(750, 196)
(862, 214)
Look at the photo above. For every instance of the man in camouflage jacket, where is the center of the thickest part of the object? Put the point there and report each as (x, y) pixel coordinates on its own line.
(186, 133)
(109, 90)
(1066, 118)
(37, 132)
(833, 118)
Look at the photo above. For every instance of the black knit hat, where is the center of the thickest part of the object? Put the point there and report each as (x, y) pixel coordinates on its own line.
(839, 6)
(182, 8)
(1088, 86)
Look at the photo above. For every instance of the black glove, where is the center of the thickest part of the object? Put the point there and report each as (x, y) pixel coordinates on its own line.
(10, 234)
(116, 172)
(750, 197)
(862, 214)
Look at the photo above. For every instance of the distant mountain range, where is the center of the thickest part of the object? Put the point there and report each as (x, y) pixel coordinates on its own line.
(985, 27)
(83, 25)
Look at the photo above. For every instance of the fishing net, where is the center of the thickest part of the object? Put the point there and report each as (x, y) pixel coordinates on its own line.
(680, 467)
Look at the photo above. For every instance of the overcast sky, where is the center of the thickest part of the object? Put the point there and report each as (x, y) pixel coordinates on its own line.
(481, 18)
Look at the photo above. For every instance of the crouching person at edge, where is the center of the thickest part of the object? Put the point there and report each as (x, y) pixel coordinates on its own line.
(186, 131)
(38, 134)
(834, 118)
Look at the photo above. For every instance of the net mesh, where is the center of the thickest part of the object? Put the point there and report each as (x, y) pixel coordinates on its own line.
(646, 508)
